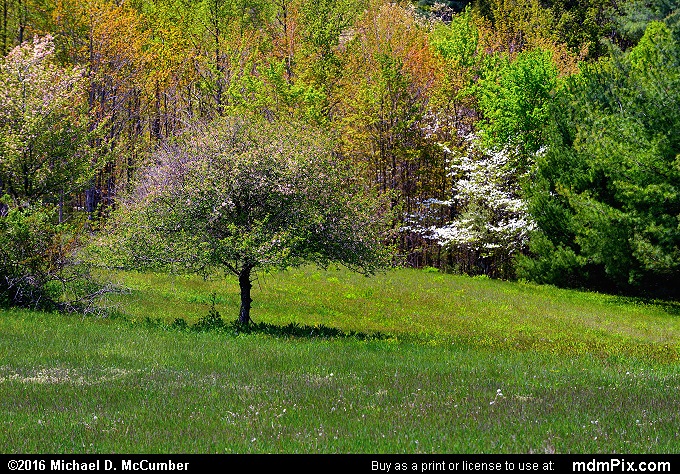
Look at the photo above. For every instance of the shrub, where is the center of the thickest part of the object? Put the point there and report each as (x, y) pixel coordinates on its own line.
(39, 265)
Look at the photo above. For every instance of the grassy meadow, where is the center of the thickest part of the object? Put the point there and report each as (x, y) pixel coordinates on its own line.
(408, 361)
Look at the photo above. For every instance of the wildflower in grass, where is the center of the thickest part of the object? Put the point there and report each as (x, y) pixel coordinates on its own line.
(499, 394)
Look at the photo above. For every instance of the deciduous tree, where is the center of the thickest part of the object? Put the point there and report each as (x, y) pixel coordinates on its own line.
(243, 196)
(44, 153)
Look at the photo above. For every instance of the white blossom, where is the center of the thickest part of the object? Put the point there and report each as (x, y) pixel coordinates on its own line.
(492, 217)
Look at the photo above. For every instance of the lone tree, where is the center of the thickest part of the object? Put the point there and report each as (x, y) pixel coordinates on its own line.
(242, 196)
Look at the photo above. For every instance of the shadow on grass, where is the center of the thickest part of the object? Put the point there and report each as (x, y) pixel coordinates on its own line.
(213, 322)
(304, 331)
(669, 306)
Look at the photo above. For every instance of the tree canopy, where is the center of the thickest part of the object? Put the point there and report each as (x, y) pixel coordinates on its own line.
(607, 192)
(244, 195)
(43, 125)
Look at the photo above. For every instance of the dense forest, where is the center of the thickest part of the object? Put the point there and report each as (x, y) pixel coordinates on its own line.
(511, 138)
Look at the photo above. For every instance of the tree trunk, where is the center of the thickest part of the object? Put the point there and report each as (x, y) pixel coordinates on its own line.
(246, 284)
(61, 206)
(23, 20)
(4, 28)
(4, 208)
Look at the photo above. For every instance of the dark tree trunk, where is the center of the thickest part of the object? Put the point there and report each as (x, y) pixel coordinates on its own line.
(4, 208)
(156, 122)
(246, 284)
(23, 20)
(92, 199)
(4, 28)
(61, 206)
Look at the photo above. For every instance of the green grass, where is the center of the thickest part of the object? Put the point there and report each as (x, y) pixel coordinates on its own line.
(459, 365)
(426, 307)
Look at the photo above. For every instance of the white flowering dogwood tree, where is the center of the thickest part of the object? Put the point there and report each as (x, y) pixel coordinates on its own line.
(490, 218)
